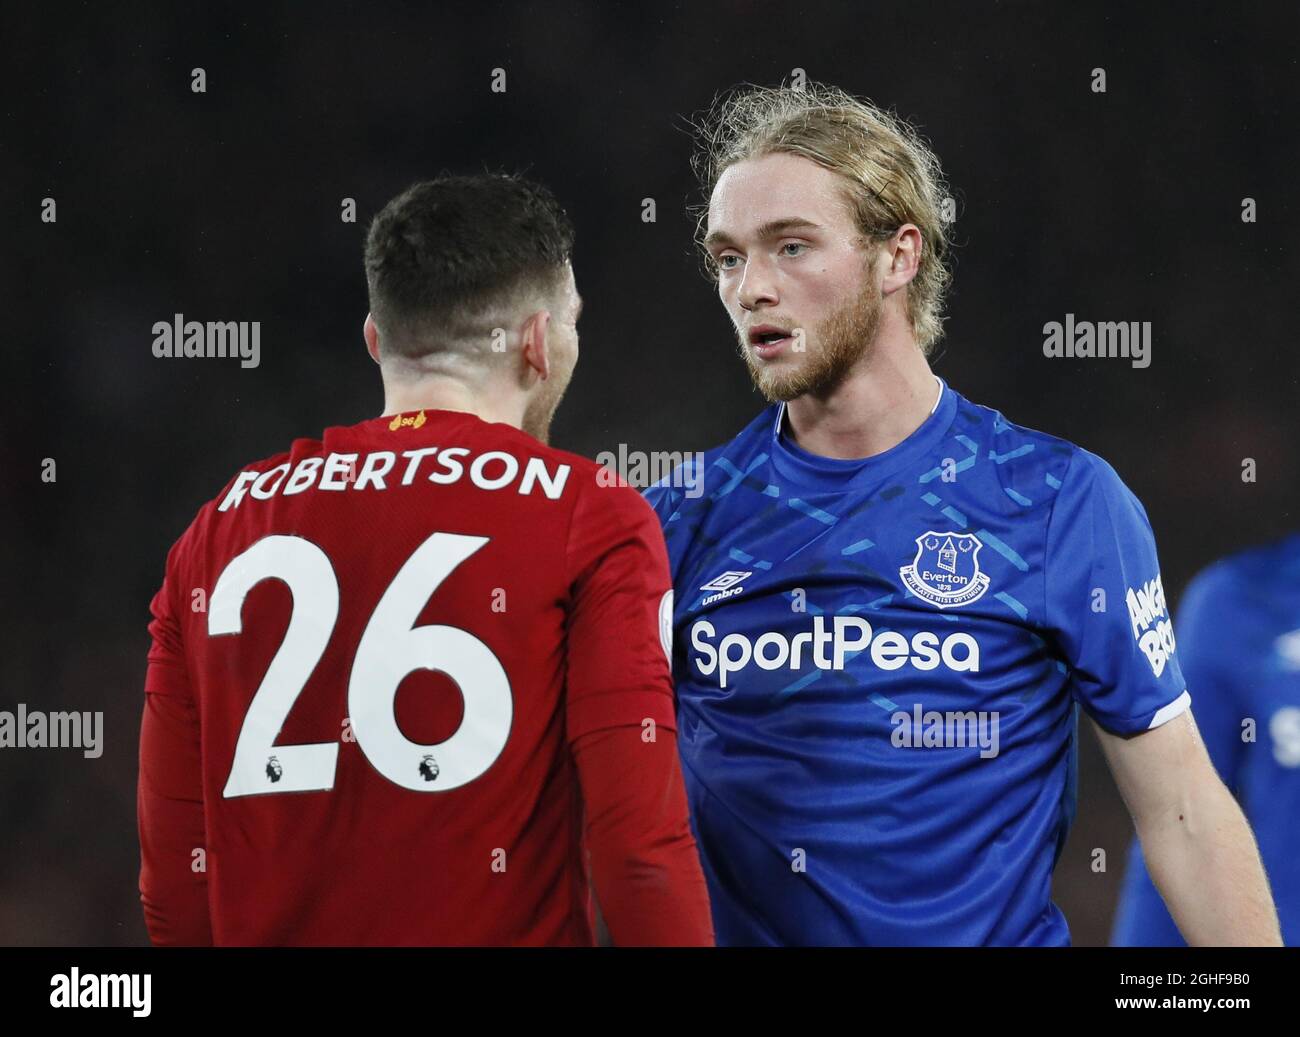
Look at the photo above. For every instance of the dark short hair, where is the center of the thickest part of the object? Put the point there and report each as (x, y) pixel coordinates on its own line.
(445, 249)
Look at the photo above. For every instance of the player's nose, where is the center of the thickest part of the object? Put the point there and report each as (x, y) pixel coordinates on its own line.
(757, 286)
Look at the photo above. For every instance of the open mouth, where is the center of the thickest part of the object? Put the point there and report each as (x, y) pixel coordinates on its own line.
(768, 340)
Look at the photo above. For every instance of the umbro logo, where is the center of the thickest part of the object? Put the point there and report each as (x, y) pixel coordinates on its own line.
(728, 579)
(724, 586)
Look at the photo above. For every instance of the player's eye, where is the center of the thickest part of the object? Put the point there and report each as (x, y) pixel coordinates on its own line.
(790, 245)
(724, 261)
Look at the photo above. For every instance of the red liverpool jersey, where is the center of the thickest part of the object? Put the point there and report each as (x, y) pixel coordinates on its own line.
(385, 644)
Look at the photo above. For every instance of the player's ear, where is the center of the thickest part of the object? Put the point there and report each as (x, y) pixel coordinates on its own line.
(534, 345)
(902, 257)
(371, 334)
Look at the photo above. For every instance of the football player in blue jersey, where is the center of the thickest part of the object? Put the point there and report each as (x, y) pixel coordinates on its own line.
(1239, 647)
(890, 599)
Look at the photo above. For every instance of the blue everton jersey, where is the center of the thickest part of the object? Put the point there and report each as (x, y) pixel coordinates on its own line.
(1239, 639)
(877, 667)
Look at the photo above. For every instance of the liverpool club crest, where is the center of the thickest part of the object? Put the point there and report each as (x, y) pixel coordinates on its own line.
(946, 569)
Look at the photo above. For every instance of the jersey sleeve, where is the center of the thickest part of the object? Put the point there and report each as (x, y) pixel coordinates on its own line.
(170, 821)
(618, 636)
(1105, 603)
(169, 791)
(644, 861)
(166, 672)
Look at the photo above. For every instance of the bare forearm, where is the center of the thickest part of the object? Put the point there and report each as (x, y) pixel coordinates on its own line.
(1203, 859)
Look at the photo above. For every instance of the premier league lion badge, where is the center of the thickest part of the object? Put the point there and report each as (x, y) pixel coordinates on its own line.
(946, 569)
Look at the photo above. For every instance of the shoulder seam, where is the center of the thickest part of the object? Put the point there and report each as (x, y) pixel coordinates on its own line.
(1047, 526)
(568, 533)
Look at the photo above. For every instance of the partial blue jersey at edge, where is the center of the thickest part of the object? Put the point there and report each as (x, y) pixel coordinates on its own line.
(1239, 641)
(878, 664)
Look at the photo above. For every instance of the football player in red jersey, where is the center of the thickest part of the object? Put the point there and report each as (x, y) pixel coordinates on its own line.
(405, 677)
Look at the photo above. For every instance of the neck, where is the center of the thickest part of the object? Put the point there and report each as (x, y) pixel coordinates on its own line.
(884, 398)
(438, 392)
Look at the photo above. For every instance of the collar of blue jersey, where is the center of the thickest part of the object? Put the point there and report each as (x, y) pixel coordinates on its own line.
(797, 466)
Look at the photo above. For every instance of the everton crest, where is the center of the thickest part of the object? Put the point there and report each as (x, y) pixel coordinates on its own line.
(946, 569)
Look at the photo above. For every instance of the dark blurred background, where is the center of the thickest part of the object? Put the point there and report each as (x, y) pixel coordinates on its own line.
(226, 206)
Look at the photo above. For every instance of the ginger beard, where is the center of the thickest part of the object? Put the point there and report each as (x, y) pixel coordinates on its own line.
(830, 351)
(545, 401)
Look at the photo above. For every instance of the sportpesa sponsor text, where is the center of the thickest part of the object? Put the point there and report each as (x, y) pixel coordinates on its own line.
(828, 649)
